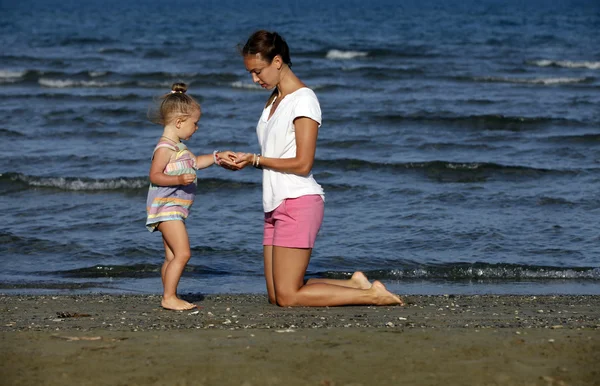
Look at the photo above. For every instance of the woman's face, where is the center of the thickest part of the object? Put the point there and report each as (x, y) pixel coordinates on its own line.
(264, 73)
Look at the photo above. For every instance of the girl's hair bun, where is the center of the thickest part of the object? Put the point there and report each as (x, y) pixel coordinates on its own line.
(179, 87)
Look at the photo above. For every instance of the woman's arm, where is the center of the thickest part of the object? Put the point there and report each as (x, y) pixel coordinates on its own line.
(158, 177)
(306, 146)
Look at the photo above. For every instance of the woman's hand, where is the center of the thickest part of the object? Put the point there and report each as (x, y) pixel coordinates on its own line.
(227, 160)
(244, 159)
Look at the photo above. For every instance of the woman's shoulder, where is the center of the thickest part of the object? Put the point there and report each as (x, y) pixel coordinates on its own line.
(305, 94)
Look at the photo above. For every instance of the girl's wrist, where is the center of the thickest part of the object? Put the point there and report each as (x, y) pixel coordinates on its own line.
(216, 158)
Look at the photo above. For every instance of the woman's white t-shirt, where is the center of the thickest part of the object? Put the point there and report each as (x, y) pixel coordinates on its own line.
(277, 139)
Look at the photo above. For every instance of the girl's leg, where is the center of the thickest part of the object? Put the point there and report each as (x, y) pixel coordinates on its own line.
(358, 280)
(289, 268)
(169, 256)
(177, 254)
(268, 260)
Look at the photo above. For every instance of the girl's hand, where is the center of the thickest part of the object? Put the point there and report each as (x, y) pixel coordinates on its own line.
(226, 157)
(186, 179)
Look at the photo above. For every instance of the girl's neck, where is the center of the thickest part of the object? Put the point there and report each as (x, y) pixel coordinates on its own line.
(168, 134)
(170, 139)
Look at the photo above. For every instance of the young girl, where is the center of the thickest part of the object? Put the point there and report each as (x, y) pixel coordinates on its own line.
(173, 186)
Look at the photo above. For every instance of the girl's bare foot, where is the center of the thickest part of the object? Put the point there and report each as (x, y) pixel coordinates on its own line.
(360, 280)
(176, 304)
(383, 297)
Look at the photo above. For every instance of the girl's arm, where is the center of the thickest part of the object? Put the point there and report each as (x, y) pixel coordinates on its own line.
(206, 160)
(158, 177)
(306, 146)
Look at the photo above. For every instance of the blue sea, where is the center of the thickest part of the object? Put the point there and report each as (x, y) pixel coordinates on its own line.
(459, 150)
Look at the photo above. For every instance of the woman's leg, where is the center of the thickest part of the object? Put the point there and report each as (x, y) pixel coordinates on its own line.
(177, 254)
(289, 267)
(358, 280)
(268, 260)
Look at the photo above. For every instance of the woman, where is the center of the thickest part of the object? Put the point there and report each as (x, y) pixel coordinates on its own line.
(293, 201)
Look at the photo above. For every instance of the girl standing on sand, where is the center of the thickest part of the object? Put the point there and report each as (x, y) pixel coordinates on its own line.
(173, 186)
(293, 201)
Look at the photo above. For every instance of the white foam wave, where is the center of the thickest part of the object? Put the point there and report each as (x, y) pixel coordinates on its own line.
(154, 84)
(544, 81)
(342, 55)
(8, 74)
(68, 83)
(247, 86)
(567, 64)
(84, 185)
(96, 74)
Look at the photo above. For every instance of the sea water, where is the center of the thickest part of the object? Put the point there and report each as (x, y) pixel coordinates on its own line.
(459, 150)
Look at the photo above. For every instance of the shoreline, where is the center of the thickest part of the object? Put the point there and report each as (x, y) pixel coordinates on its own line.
(243, 340)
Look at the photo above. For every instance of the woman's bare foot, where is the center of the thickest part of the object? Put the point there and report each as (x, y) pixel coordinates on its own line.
(176, 304)
(360, 280)
(383, 297)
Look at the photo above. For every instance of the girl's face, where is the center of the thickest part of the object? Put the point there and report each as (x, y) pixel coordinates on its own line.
(186, 127)
(264, 73)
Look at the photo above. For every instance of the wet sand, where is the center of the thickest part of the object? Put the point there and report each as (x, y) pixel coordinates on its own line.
(243, 340)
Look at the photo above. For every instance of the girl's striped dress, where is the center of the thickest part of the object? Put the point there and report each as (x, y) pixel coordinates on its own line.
(166, 203)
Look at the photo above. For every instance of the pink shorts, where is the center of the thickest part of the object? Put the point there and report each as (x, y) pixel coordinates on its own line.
(295, 223)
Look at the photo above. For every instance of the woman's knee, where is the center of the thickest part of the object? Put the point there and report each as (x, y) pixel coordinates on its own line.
(286, 298)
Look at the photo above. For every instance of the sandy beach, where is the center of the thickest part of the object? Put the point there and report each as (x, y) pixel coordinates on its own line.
(242, 340)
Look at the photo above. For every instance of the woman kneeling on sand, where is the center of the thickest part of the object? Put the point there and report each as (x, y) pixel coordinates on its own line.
(293, 201)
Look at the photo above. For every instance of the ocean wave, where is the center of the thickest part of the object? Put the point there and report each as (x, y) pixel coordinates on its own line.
(405, 52)
(553, 201)
(101, 79)
(135, 271)
(6, 133)
(76, 183)
(86, 41)
(109, 184)
(344, 55)
(591, 138)
(532, 81)
(96, 74)
(455, 146)
(344, 144)
(444, 171)
(382, 73)
(70, 83)
(7, 76)
(112, 50)
(484, 121)
(19, 246)
(10, 242)
(565, 64)
(479, 272)
(245, 85)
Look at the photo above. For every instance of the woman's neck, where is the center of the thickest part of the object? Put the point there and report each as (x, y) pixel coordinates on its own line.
(288, 83)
